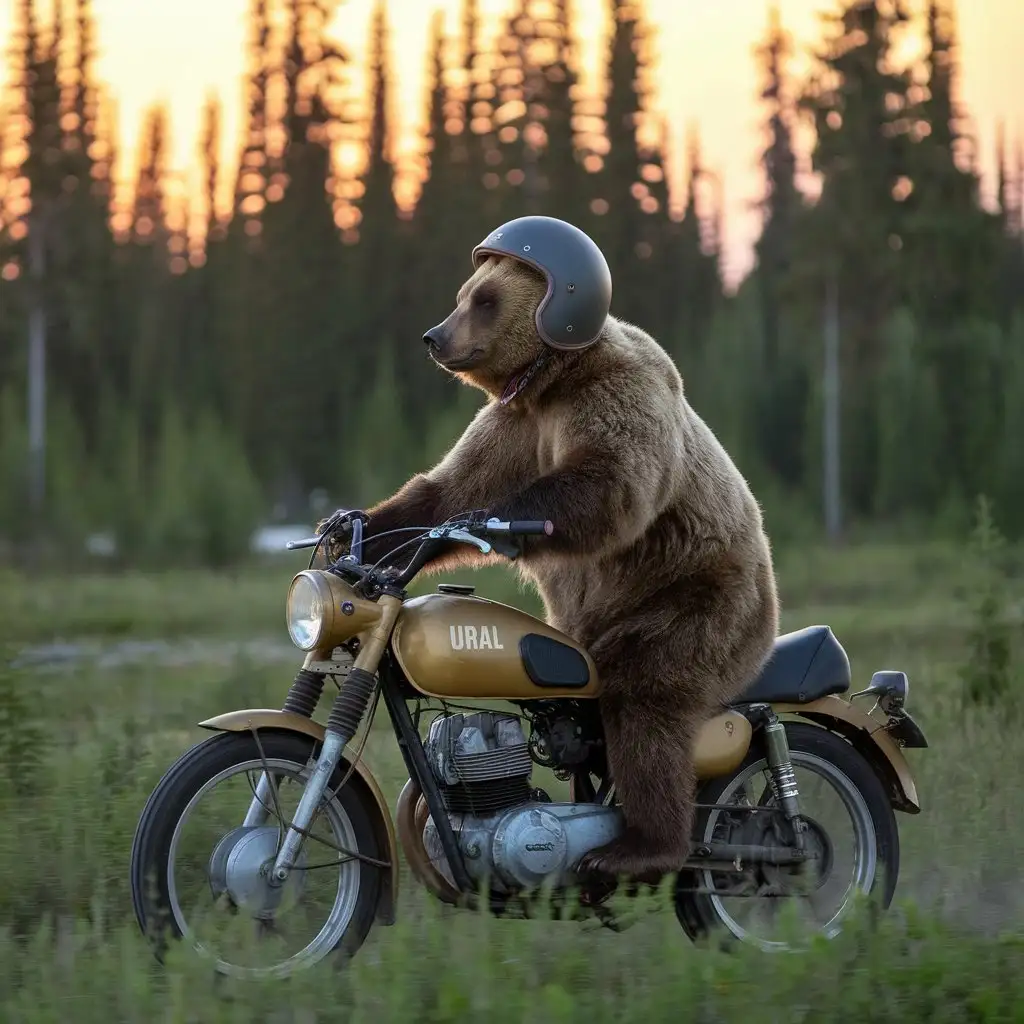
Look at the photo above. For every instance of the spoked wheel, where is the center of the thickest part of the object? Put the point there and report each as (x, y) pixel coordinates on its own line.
(200, 875)
(851, 832)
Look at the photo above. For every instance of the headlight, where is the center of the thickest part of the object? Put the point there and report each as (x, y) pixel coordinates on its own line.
(323, 611)
(305, 613)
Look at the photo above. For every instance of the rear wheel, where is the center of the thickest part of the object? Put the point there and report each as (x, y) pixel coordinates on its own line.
(197, 873)
(854, 834)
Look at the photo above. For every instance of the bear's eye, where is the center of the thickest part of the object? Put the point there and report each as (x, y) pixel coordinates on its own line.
(485, 299)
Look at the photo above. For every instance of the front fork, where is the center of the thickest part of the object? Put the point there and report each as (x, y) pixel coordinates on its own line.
(347, 712)
(780, 769)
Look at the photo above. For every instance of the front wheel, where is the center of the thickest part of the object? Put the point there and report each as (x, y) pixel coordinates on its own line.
(198, 873)
(851, 828)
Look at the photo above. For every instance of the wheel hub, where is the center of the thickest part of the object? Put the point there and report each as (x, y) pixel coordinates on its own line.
(241, 867)
(769, 830)
(814, 871)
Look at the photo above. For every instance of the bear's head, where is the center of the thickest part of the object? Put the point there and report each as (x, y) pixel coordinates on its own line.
(491, 335)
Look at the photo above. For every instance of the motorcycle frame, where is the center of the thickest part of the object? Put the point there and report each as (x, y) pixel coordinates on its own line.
(379, 674)
(396, 691)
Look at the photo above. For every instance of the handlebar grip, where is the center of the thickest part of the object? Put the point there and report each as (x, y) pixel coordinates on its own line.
(306, 542)
(529, 527)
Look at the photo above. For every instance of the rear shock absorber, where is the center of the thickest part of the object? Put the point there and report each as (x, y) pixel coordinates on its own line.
(783, 778)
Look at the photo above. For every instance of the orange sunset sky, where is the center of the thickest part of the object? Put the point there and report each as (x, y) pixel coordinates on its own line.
(178, 50)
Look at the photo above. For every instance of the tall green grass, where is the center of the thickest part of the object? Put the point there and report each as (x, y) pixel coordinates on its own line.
(83, 742)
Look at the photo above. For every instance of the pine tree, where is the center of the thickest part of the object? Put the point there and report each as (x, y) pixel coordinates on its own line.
(145, 281)
(565, 183)
(377, 207)
(694, 262)
(10, 270)
(385, 252)
(92, 154)
(1017, 226)
(859, 108)
(1011, 268)
(149, 213)
(203, 352)
(209, 157)
(477, 155)
(436, 219)
(378, 202)
(52, 171)
(439, 225)
(782, 200)
(951, 246)
(659, 242)
(292, 411)
(41, 104)
(251, 182)
(1004, 199)
(513, 80)
(620, 228)
(782, 403)
(88, 281)
(861, 151)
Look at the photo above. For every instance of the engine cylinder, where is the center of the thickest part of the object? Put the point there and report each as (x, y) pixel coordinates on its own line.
(482, 765)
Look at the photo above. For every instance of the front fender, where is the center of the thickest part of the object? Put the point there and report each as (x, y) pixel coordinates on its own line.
(869, 736)
(383, 825)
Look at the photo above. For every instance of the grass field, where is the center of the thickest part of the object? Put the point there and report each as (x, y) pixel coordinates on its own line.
(106, 676)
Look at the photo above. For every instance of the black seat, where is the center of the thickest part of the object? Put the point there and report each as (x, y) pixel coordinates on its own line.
(803, 666)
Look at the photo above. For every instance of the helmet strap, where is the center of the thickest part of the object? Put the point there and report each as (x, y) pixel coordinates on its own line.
(519, 382)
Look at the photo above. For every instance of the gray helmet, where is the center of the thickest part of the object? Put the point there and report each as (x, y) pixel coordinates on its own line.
(572, 314)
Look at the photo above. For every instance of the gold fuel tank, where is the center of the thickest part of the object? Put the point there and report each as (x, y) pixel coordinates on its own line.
(451, 644)
(454, 645)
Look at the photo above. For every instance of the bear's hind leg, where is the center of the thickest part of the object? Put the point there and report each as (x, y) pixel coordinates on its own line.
(650, 757)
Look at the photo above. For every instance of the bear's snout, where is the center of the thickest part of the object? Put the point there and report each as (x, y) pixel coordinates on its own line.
(437, 338)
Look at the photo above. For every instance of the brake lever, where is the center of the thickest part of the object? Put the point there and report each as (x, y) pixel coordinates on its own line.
(501, 542)
(466, 538)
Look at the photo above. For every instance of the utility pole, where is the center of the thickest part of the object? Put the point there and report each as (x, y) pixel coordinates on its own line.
(833, 524)
(38, 230)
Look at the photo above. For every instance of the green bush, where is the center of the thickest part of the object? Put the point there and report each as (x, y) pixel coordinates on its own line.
(204, 501)
(986, 673)
(191, 500)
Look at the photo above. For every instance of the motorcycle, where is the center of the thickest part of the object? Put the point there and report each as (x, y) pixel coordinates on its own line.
(473, 827)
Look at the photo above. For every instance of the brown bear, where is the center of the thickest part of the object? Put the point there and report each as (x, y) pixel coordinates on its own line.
(659, 564)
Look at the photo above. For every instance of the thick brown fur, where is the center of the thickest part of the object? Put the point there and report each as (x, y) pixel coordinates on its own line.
(659, 563)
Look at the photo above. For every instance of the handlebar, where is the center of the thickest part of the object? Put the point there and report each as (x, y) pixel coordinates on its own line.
(517, 528)
(466, 530)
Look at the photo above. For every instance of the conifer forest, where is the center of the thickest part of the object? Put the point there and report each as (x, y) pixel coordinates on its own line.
(183, 377)
(276, 352)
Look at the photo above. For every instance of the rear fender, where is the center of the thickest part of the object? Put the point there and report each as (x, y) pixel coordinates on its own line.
(869, 736)
(362, 778)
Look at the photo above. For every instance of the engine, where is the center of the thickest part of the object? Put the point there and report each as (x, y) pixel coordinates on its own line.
(482, 764)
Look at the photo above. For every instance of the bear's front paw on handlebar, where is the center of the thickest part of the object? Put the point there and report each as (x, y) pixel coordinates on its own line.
(342, 533)
(341, 520)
